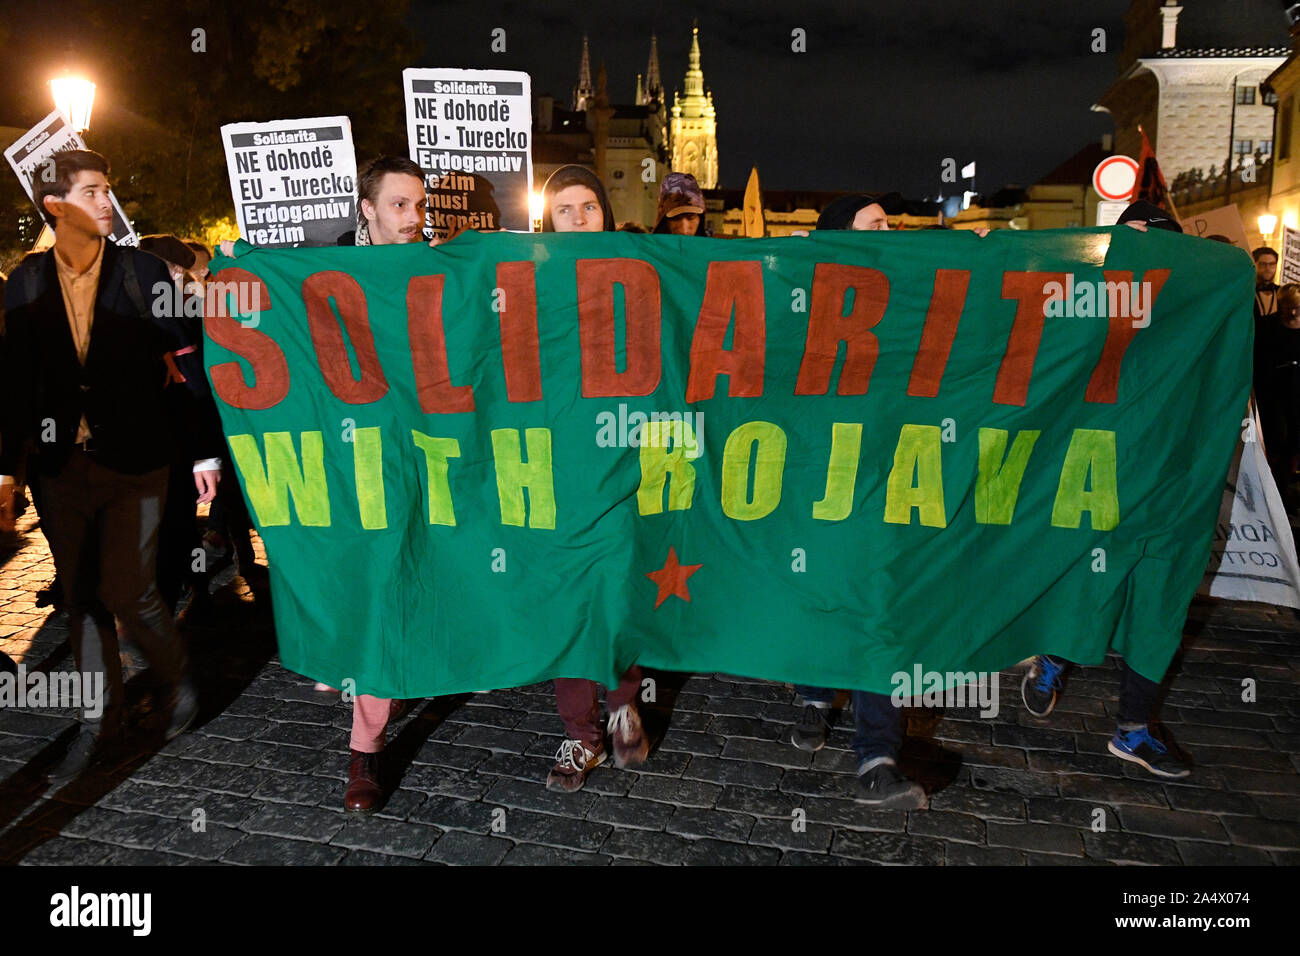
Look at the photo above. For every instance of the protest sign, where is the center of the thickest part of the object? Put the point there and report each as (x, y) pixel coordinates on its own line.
(29, 157)
(1224, 221)
(511, 457)
(1253, 556)
(471, 132)
(1289, 262)
(294, 182)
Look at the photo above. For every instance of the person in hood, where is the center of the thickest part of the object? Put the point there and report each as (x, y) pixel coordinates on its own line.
(681, 207)
(575, 201)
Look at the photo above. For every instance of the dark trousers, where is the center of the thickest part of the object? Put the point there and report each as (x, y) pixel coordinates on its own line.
(878, 724)
(1137, 695)
(102, 527)
(579, 708)
(178, 537)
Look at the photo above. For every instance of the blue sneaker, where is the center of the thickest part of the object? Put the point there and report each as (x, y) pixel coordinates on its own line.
(1145, 751)
(1041, 684)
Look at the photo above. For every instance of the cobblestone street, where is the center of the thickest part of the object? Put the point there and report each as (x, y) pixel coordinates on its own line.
(264, 769)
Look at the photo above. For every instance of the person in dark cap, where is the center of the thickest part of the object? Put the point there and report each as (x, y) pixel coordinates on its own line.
(1041, 685)
(681, 207)
(861, 212)
(1142, 214)
(878, 723)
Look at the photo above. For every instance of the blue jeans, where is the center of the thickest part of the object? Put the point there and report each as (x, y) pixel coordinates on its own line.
(879, 724)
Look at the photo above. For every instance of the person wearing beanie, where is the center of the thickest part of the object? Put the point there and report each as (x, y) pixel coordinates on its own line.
(575, 201)
(879, 724)
(861, 212)
(681, 207)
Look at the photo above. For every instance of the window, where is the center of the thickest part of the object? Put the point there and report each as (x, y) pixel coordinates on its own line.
(1245, 96)
(1266, 147)
(1242, 147)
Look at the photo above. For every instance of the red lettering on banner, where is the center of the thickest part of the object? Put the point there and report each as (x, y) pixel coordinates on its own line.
(1104, 384)
(1029, 289)
(428, 340)
(520, 351)
(946, 304)
(328, 337)
(270, 368)
(596, 327)
(828, 326)
(730, 286)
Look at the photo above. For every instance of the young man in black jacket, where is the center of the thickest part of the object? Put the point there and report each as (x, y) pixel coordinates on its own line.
(83, 380)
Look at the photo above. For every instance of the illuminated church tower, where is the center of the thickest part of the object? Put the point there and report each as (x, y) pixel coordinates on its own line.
(694, 130)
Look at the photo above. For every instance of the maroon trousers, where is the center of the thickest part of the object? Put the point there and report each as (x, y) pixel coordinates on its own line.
(579, 708)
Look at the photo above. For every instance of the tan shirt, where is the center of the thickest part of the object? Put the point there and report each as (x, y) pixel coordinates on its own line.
(79, 293)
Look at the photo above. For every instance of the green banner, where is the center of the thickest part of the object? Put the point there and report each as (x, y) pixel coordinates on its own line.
(823, 460)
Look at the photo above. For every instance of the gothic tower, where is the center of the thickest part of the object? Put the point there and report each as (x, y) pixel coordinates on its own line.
(694, 131)
(583, 92)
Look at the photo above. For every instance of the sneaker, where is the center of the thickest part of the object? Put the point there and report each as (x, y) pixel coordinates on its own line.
(882, 786)
(630, 744)
(813, 727)
(1144, 750)
(1041, 685)
(573, 761)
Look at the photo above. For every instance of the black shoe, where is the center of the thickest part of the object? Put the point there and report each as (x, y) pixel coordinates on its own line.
(184, 711)
(813, 727)
(84, 751)
(885, 788)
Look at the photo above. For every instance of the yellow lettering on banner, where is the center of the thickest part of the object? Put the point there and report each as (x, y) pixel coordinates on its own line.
(269, 486)
(764, 444)
(436, 452)
(514, 475)
(918, 453)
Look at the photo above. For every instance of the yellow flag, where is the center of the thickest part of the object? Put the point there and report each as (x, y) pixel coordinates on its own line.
(752, 215)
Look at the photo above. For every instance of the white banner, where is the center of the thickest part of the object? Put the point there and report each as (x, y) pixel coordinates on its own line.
(294, 182)
(471, 133)
(1253, 556)
(29, 155)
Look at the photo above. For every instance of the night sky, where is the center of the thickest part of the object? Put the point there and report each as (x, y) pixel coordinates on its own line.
(883, 94)
(879, 99)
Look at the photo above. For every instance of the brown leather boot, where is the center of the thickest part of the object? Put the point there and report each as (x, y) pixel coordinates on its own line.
(364, 792)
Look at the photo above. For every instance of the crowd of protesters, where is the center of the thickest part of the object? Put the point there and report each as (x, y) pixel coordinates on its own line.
(107, 417)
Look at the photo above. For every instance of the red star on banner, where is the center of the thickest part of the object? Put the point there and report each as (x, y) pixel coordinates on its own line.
(671, 578)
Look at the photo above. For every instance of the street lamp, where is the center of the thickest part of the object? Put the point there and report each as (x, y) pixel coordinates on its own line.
(1267, 223)
(73, 97)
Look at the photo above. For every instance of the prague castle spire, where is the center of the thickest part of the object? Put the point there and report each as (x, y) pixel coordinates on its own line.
(694, 133)
(583, 92)
(653, 91)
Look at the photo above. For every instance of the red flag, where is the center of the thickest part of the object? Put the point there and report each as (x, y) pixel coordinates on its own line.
(1150, 184)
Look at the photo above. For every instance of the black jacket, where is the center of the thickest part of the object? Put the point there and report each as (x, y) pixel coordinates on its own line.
(121, 389)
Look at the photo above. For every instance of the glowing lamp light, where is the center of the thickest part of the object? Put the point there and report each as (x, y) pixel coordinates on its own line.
(536, 206)
(1267, 223)
(73, 97)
